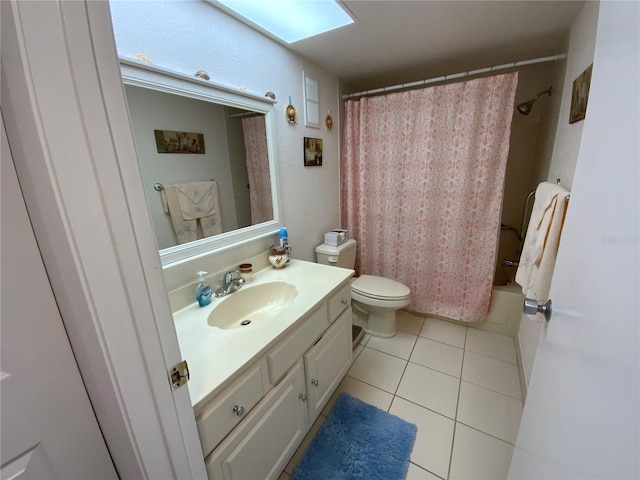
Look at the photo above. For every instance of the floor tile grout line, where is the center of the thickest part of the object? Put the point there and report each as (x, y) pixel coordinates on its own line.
(426, 470)
(404, 370)
(494, 358)
(455, 421)
(387, 353)
(401, 358)
(441, 342)
(371, 385)
(439, 371)
(426, 408)
(490, 389)
(488, 434)
(411, 333)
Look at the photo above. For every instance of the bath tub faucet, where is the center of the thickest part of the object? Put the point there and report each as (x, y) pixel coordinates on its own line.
(229, 284)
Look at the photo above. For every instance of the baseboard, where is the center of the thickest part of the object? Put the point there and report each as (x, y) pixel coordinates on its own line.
(521, 373)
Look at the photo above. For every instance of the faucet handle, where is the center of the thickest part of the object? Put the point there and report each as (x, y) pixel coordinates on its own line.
(228, 277)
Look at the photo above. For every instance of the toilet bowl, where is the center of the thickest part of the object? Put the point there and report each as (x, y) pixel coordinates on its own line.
(375, 299)
(379, 298)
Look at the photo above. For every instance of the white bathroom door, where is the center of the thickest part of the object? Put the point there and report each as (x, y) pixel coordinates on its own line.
(581, 418)
(48, 429)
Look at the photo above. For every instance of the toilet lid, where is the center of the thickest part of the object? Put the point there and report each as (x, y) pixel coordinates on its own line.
(380, 287)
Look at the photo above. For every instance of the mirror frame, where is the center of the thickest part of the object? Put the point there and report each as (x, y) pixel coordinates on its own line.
(168, 81)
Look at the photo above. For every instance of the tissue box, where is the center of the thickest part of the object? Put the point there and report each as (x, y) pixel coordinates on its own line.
(336, 237)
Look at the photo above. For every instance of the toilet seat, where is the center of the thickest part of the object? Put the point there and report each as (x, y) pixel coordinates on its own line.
(380, 289)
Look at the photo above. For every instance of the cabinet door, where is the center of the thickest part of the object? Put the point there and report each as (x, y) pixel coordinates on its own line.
(261, 446)
(327, 362)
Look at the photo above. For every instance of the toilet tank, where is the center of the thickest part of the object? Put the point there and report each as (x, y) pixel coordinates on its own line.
(343, 256)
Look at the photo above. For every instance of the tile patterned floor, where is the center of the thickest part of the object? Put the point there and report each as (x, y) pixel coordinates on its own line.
(459, 385)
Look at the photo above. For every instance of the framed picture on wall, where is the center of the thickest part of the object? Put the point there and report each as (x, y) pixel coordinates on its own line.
(168, 141)
(312, 152)
(580, 95)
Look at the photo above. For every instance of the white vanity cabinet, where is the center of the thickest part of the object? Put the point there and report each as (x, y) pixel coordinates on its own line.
(299, 373)
(260, 447)
(327, 362)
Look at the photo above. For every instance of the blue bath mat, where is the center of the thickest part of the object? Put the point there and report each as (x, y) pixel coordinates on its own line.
(358, 441)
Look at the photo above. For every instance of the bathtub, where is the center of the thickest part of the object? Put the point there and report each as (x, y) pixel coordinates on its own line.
(504, 314)
(505, 311)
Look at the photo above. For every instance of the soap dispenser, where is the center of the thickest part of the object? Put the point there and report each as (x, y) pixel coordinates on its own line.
(203, 290)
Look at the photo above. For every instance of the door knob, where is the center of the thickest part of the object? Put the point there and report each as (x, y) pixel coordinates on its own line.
(531, 307)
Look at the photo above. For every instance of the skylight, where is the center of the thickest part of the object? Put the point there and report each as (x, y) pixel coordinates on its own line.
(291, 20)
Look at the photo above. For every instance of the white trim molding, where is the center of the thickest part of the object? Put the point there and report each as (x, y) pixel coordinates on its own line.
(68, 127)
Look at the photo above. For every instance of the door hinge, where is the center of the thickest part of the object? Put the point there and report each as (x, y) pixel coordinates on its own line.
(179, 375)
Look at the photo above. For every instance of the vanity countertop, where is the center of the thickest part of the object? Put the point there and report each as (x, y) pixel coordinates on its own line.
(215, 354)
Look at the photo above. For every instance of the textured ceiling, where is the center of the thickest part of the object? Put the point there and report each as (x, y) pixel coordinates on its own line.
(400, 41)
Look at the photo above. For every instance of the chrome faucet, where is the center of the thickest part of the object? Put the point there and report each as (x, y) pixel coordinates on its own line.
(229, 284)
(509, 263)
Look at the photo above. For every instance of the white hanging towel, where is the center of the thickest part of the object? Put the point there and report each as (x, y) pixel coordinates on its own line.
(540, 247)
(190, 202)
(186, 230)
(197, 199)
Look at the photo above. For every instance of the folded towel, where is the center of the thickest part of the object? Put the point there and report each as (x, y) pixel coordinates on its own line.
(188, 203)
(197, 199)
(540, 247)
(186, 230)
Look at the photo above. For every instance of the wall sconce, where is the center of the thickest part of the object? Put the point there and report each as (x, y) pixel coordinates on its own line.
(329, 120)
(290, 112)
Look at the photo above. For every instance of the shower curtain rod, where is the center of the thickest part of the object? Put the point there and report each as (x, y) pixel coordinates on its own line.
(552, 58)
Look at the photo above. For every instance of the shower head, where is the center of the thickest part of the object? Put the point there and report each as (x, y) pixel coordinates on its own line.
(525, 107)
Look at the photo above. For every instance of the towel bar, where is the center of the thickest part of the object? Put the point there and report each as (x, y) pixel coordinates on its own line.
(525, 220)
(158, 187)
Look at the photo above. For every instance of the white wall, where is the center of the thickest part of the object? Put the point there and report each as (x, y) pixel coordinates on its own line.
(580, 55)
(565, 151)
(152, 110)
(189, 36)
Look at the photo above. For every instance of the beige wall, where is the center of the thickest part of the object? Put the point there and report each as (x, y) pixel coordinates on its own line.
(189, 36)
(562, 162)
(529, 135)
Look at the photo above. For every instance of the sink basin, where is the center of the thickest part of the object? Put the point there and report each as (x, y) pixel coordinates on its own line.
(251, 305)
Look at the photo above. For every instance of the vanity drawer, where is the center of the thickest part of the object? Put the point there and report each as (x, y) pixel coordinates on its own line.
(339, 302)
(231, 406)
(291, 348)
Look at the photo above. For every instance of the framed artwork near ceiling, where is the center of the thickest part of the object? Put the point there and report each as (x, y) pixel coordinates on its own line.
(580, 95)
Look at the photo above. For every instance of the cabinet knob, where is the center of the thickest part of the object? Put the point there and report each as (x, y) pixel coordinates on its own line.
(345, 301)
(239, 411)
(314, 382)
(302, 397)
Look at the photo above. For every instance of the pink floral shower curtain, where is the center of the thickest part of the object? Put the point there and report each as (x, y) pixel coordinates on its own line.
(422, 184)
(255, 143)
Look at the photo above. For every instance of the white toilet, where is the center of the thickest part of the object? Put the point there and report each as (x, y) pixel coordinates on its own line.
(377, 298)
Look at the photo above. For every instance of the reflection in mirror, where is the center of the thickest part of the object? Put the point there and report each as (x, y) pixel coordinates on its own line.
(205, 163)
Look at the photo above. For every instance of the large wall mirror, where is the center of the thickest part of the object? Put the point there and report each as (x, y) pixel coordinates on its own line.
(207, 158)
